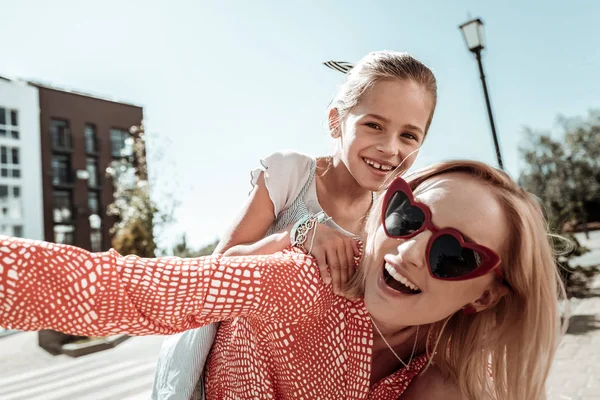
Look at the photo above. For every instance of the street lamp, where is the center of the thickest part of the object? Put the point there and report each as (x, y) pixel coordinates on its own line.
(473, 34)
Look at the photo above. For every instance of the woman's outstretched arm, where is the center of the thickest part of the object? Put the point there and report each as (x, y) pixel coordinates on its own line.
(65, 288)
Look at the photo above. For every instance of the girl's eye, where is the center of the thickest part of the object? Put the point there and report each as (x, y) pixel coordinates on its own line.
(373, 125)
(410, 136)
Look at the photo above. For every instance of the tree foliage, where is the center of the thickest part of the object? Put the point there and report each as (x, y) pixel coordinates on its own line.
(564, 170)
(182, 249)
(135, 212)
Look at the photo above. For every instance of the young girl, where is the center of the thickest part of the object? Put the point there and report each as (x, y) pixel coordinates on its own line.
(457, 298)
(379, 118)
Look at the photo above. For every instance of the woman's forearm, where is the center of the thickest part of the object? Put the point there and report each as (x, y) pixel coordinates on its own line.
(65, 288)
(68, 289)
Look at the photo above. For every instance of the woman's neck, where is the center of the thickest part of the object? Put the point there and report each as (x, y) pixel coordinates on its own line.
(405, 344)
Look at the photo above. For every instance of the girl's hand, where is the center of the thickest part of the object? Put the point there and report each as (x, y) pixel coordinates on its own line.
(335, 254)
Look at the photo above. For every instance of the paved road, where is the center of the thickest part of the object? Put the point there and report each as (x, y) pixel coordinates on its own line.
(592, 243)
(126, 372)
(576, 371)
(123, 373)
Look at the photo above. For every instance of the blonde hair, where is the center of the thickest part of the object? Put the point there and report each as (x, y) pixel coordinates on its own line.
(514, 341)
(378, 66)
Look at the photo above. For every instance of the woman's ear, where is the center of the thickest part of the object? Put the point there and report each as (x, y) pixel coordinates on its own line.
(334, 123)
(490, 297)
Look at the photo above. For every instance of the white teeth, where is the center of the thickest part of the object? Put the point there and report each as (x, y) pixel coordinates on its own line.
(399, 277)
(378, 166)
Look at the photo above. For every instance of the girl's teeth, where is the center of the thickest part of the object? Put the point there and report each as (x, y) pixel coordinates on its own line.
(400, 278)
(378, 166)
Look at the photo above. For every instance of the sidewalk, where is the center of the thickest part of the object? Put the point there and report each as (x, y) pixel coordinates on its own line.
(576, 371)
(29, 373)
(126, 372)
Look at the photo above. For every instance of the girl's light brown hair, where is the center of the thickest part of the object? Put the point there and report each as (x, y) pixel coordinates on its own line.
(504, 352)
(378, 66)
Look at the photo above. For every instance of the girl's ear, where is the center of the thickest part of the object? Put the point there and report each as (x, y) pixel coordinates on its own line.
(334, 123)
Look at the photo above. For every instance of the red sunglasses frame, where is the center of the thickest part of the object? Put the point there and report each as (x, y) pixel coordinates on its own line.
(490, 259)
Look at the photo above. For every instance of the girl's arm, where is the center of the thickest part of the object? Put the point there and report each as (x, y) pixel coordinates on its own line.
(247, 234)
(50, 286)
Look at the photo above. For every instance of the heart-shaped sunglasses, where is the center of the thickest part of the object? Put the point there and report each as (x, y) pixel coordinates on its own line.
(449, 256)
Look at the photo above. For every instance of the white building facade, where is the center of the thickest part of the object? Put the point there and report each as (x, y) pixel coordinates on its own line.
(21, 204)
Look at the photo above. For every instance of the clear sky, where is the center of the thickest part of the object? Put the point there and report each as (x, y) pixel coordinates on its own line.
(224, 83)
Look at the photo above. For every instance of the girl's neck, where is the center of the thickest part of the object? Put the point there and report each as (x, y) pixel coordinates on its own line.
(339, 182)
(340, 196)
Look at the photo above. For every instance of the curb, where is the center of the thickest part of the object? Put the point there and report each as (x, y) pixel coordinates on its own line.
(93, 346)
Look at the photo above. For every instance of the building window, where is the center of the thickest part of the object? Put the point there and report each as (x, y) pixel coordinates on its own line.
(92, 169)
(9, 122)
(15, 156)
(93, 203)
(9, 162)
(89, 133)
(96, 240)
(61, 134)
(61, 170)
(62, 209)
(64, 234)
(18, 230)
(10, 202)
(118, 140)
(95, 222)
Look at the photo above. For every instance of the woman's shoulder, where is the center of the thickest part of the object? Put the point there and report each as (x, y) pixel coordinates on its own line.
(432, 384)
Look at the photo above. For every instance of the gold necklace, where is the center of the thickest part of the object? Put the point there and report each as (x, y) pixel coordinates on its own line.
(392, 350)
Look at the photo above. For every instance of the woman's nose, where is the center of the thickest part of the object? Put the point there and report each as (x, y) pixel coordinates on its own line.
(413, 250)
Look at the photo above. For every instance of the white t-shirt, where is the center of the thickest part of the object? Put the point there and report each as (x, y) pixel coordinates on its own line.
(286, 174)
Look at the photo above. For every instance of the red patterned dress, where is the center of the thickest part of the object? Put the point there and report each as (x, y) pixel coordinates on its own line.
(284, 334)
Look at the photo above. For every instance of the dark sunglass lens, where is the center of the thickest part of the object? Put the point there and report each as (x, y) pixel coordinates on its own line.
(448, 259)
(402, 218)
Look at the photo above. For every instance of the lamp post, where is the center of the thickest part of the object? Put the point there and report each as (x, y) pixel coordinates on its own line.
(473, 34)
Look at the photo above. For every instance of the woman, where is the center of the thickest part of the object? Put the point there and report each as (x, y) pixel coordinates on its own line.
(457, 300)
(379, 120)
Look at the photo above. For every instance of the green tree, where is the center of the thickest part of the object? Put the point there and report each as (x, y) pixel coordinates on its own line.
(136, 214)
(564, 171)
(181, 249)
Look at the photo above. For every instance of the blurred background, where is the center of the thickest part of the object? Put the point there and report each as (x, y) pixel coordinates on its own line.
(135, 124)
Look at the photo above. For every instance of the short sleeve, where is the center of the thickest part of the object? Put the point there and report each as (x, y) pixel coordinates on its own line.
(285, 175)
